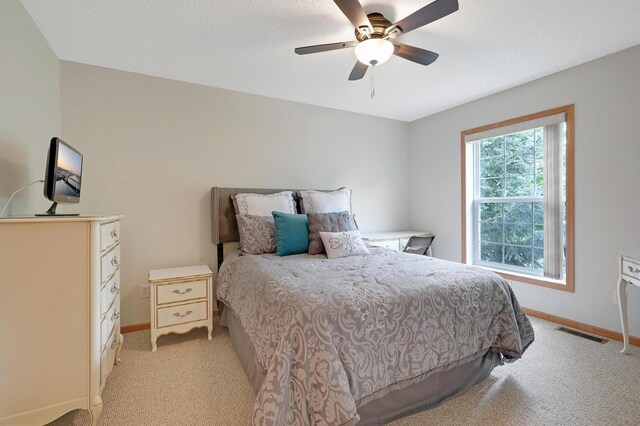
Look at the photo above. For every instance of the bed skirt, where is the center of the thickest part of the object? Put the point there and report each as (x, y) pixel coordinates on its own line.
(429, 393)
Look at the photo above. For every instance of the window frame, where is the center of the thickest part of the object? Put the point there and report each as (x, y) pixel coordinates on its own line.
(469, 206)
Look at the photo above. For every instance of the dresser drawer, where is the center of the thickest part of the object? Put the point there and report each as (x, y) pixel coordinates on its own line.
(108, 358)
(109, 321)
(109, 292)
(173, 315)
(110, 262)
(631, 269)
(109, 234)
(180, 292)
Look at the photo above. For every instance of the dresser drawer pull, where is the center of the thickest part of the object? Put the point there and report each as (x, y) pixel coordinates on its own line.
(114, 261)
(114, 343)
(177, 291)
(633, 270)
(115, 316)
(113, 234)
(179, 315)
(115, 288)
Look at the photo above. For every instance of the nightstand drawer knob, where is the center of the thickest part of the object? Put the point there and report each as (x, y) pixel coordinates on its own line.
(115, 288)
(634, 270)
(114, 261)
(187, 290)
(115, 316)
(179, 315)
(114, 234)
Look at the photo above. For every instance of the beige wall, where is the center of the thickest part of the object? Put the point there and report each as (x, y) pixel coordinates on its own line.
(153, 149)
(606, 94)
(29, 107)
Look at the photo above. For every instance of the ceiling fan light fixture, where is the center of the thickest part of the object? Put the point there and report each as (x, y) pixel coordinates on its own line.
(374, 51)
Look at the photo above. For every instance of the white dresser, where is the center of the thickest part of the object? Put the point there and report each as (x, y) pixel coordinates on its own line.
(395, 240)
(629, 274)
(59, 315)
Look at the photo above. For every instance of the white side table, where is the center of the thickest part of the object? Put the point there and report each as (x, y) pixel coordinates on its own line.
(629, 274)
(181, 300)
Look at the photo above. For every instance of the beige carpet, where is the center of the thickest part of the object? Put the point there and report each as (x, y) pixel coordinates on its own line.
(562, 380)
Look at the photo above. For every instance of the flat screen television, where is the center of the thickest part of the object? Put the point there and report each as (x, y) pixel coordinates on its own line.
(63, 175)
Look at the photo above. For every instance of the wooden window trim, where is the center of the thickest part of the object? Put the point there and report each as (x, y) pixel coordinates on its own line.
(568, 110)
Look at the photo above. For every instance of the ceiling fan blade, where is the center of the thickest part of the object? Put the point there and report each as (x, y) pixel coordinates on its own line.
(414, 54)
(353, 10)
(358, 71)
(324, 47)
(431, 12)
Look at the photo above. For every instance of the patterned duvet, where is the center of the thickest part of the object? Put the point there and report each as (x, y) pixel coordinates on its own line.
(336, 334)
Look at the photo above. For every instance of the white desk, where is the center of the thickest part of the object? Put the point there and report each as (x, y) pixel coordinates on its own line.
(629, 274)
(395, 240)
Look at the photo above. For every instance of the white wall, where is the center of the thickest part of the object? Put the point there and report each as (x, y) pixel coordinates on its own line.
(29, 107)
(153, 148)
(606, 94)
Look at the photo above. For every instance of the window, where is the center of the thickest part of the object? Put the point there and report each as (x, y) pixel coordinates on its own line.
(517, 191)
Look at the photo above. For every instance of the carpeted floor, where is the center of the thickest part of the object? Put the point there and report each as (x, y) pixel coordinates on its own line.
(562, 380)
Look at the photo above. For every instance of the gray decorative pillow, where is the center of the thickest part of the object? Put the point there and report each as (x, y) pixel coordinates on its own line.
(343, 244)
(257, 234)
(326, 222)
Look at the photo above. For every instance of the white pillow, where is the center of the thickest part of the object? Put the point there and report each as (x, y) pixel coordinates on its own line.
(343, 244)
(264, 204)
(326, 202)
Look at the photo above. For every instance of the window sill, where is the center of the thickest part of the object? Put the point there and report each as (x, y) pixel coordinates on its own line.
(529, 279)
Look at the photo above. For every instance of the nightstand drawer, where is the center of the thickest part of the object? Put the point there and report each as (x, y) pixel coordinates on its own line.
(180, 292)
(181, 314)
(631, 269)
(109, 292)
(109, 234)
(109, 263)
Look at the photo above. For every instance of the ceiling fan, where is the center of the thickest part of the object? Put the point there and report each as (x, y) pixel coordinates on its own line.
(375, 35)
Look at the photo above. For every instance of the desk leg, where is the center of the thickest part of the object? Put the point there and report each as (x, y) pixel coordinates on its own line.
(622, 303)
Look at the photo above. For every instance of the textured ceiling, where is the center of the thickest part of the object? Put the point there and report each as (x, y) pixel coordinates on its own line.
(485, 47)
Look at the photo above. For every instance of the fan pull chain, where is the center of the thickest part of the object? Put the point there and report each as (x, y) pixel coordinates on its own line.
(373, 81)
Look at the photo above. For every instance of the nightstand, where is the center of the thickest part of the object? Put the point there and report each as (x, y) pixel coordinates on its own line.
(181, 300)
(396, 240)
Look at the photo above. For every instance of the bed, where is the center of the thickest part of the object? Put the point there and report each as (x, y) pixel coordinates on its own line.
(365, 339)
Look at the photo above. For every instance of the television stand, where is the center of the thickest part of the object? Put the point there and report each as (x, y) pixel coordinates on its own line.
(52, 212)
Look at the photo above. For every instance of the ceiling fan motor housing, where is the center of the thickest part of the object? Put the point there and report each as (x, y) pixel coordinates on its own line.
(379, 24)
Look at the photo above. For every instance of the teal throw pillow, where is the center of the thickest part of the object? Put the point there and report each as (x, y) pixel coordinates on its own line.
(292, 233)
